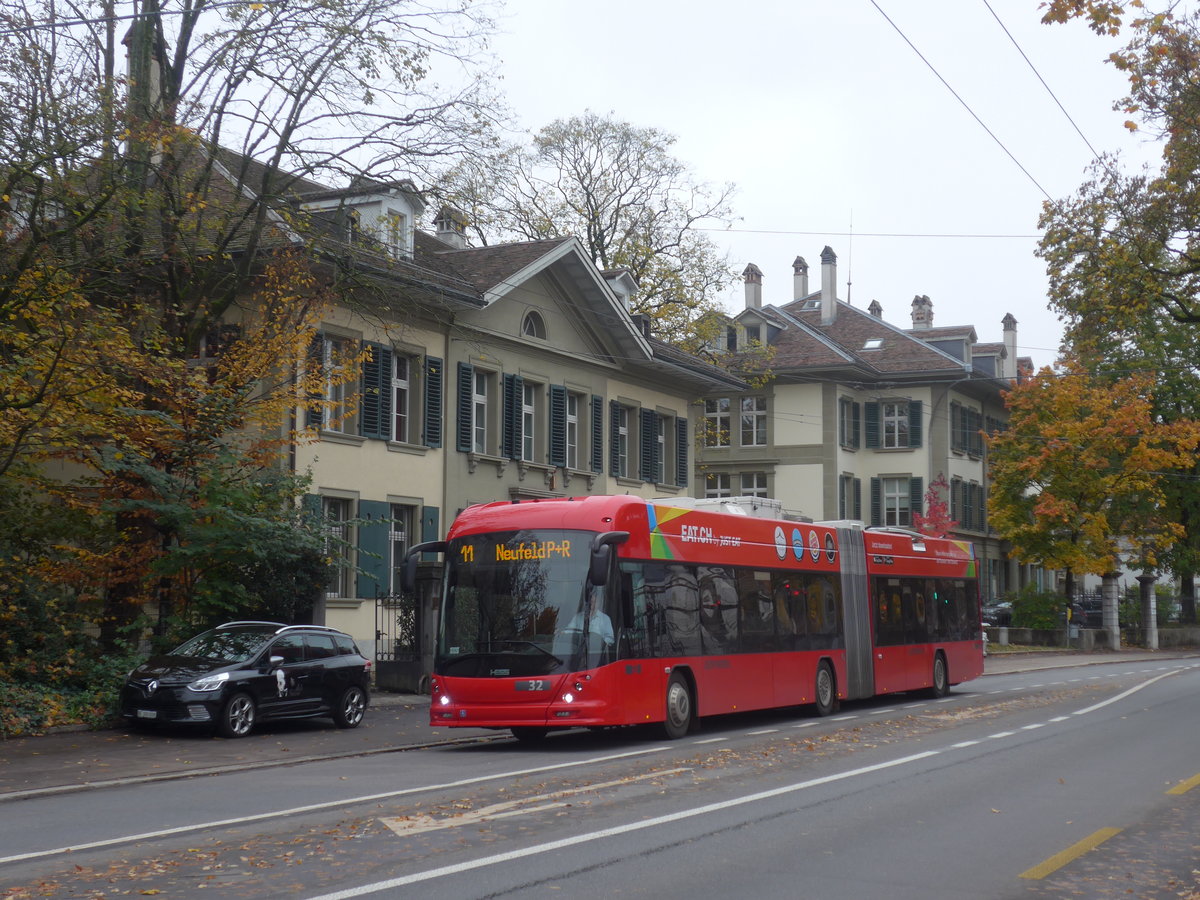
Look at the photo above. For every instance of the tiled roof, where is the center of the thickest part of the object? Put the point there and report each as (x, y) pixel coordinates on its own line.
(487, 267)
(899, 352)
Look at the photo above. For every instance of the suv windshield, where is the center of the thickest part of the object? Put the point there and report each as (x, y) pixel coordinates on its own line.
(226, 645)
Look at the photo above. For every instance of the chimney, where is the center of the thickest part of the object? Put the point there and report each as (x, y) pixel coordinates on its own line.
(875, 309)
(828, 286)
(1010, 345)
(922, 312)
(753, 277)
(799, 278)
(451, 225)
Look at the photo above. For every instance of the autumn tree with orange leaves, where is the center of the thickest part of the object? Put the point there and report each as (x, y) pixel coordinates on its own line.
(160, 285)
(1078, 475)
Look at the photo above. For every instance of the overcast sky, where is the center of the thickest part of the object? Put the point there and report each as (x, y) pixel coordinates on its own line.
(836, 132)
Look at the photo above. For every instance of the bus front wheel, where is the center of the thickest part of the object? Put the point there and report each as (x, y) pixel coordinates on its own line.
(826, 690)
(679, 708)
(529, 734)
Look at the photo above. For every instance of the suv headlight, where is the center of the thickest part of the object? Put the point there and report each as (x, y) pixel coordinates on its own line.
(209, 682)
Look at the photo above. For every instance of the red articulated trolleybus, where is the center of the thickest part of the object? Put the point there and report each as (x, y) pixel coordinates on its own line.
(604, 611)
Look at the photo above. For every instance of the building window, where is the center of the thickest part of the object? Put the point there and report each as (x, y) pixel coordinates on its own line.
(754, 421)
(660, 446)
(479, 411)
(395, 233)
(534, 326)
(528, 421)
(400, 540)
(752, 334)
(336, 515)
(895, 425)
(849, 424)
(716, 422)
(621, 440)
(896, 509)
(754, 484)
(402, 369)
(716, 484)
(339, 384)
(573, 431)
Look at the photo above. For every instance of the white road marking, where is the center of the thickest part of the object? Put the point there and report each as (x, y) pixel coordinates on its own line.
(483, 862)
(313, 807)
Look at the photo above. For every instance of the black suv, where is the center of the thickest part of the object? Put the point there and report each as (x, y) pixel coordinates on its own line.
(240, 672)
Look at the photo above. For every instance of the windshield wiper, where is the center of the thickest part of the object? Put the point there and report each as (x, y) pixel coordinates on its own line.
(541, 650)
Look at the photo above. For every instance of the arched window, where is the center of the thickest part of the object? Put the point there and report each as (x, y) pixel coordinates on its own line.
(533, 326)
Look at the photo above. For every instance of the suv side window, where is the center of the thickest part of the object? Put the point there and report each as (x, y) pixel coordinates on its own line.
(320, 646)
(345, 645)
(290, 647)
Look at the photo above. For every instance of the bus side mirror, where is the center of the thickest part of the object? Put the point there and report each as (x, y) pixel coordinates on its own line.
(598, 572)
(602, 545)
(408, 578)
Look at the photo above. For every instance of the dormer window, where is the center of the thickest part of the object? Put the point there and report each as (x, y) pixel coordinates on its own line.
(395, 232)
(534, 326)
(753, 334)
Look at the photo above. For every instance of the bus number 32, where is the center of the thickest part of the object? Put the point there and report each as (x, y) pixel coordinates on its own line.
(533, 684)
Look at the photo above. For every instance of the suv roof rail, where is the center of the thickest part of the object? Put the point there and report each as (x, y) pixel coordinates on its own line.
(250, 622)
(328, 628)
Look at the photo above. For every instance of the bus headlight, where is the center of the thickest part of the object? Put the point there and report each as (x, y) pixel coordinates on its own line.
(444, 699)
(568, 698)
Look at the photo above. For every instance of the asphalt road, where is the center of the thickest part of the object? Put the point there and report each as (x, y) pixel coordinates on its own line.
(959, 797)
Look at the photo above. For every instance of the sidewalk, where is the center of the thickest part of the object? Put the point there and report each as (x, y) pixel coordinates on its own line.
(72, 760)
(1004, 663)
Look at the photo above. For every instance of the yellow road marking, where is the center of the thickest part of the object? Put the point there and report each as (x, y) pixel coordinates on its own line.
(1184, 786)
(1058, 860)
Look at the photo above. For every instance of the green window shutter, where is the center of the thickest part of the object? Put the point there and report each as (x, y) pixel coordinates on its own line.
(916, 497)
(649, 429)
(311, 505)
(681, 452)
(856, 417)
(597, 448)
(312, 414)
(511, 440)
(872, 414)
(433, 402)
(466, 376)
(430, 530)
(876, 501)
(558, 425)
(614, 426)
(374, 420)
(914, 423)
(374, 547)
(858, 499)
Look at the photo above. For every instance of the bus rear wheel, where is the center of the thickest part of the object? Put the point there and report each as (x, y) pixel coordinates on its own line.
(679, 708)
(941, 678)
(826, 690)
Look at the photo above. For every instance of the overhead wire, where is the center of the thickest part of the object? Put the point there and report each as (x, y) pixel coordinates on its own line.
(964, 103)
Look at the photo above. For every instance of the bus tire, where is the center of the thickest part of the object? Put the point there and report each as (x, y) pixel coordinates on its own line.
(825, 693)
(529, 734)
(941, 677)
(679, 707)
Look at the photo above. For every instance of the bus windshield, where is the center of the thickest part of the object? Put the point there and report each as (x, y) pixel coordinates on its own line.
(517, 604)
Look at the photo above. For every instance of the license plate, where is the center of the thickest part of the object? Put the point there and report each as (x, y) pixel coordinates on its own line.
(147, 714)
